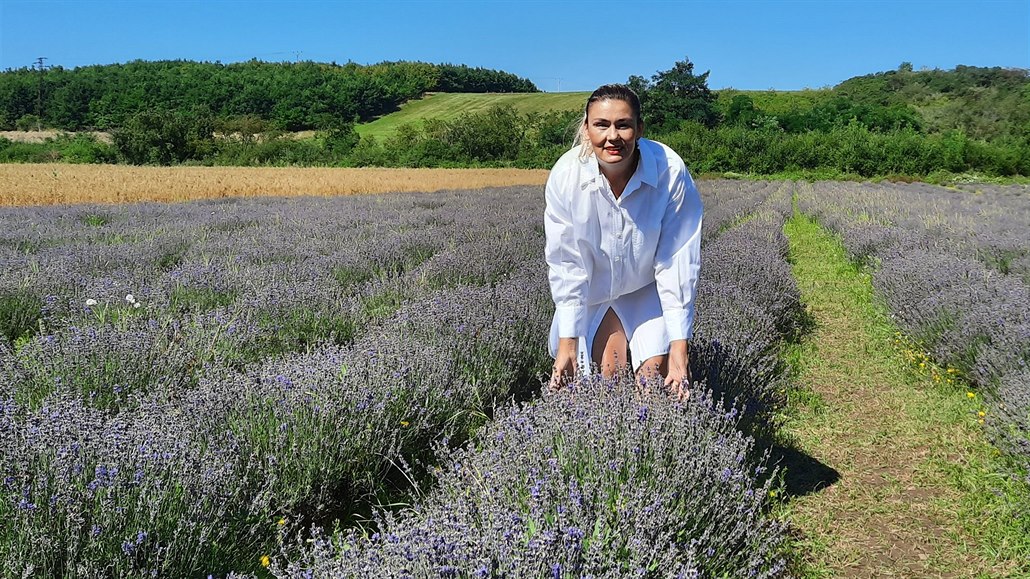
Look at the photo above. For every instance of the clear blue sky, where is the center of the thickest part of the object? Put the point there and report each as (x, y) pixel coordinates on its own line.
(784, 44)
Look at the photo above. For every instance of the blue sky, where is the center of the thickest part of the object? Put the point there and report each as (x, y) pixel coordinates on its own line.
(571, 45)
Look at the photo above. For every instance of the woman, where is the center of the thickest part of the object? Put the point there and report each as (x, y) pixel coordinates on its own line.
(623, 228)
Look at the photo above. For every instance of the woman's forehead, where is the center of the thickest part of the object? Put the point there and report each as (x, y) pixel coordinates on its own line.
(610, 108)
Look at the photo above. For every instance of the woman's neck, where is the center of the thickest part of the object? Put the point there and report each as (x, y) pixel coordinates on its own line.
(618, 176)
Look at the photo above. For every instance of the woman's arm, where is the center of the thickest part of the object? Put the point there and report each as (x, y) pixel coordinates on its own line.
(677, 266)
(568, 278)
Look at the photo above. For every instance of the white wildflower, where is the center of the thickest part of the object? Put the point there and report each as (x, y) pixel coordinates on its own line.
(135, 305)
(91, 302)
(130, 298)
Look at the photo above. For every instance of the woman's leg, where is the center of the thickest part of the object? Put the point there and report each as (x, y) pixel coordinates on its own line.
(610, 350)
(655, 366)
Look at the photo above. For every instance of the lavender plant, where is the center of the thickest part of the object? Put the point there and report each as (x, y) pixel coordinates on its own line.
(605, 479)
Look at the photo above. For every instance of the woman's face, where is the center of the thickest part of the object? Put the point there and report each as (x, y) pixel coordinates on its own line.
(613, 130)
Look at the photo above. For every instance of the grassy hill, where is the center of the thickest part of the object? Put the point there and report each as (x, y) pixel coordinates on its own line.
(450, 105)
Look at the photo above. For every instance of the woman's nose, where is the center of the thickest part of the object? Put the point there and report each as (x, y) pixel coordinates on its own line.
(612, 134)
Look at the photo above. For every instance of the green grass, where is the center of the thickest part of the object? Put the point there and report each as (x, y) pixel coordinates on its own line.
(920, 492)
(775, 102)
(447, 106)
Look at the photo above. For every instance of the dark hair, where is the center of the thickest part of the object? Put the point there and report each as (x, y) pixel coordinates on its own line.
(619, 92)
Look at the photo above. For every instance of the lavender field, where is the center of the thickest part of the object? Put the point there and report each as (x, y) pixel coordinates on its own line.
(351, 386)
(953, 267)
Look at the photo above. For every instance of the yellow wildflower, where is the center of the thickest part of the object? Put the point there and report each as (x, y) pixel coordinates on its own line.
(265, 561)
(970, 394)
(282, 521)
(981, 414)
(405, 423)
(772, 494)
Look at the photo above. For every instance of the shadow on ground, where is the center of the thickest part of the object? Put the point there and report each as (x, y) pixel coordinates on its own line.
(803, 474)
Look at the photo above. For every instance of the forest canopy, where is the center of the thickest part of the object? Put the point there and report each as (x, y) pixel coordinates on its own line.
(290, 96)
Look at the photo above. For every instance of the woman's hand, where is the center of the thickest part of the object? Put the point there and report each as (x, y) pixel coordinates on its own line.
(564, 363)
(678, 379)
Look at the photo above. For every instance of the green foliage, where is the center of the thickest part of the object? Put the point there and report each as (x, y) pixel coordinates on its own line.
(676, 95)
(340, 139)
(20, 313)
(80, 148)
(28, 122)
(461, 78)
(496, 135)
(290, 96)
(984, 103)
(852, 149)
(557, 128)
(163, 137)
(199, 299)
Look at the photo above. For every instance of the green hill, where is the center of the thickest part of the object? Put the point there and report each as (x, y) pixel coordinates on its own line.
(447, 106)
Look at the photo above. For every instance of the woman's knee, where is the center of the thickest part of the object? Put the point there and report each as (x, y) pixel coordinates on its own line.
(655, 366)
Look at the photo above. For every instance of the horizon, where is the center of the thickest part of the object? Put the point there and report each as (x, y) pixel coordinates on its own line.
(334, 63)
(570, 46)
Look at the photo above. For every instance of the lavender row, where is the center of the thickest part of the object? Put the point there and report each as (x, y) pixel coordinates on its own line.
(963, 312)
(988, 225)
(727, 202)
(609, 478)
(247, 286)
(601, 480)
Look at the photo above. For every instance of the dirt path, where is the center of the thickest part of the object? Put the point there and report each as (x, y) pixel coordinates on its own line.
(885, 438)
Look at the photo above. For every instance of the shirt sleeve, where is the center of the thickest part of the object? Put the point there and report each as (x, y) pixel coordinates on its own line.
(566, 272)
(678, 257)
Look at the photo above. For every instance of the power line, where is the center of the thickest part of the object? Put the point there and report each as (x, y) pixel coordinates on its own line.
(39, 102)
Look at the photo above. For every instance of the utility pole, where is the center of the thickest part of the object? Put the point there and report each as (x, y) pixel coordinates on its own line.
(39, 102)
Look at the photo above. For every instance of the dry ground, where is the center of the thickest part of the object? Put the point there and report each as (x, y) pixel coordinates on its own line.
(40, 136)
(50, 184)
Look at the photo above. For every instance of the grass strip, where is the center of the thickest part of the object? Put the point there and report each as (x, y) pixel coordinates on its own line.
(906, 484)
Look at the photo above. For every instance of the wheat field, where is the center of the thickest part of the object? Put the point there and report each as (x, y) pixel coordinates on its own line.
(53, 184)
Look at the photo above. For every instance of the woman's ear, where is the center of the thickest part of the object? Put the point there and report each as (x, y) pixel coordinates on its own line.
(640, 128)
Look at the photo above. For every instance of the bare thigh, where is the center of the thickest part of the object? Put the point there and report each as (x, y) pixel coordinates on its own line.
(610, 350)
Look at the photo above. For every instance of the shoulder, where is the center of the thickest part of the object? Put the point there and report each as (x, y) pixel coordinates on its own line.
(569, 162)
(568, 169)
(665, 157)
(668, 167)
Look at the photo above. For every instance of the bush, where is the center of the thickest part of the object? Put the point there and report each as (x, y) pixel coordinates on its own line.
(28, 123)
(165, 137)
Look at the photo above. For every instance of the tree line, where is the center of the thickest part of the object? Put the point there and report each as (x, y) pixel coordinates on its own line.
(283, 96)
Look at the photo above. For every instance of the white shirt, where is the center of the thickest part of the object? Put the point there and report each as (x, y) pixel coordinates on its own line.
(600, 248)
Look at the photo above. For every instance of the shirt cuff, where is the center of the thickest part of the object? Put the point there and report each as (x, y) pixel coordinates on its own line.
(679, 323)
(571, 321)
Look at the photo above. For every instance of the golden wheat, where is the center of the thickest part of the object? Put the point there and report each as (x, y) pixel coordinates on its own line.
(52, 184)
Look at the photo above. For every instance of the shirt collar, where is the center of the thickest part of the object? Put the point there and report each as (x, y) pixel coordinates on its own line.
(646, 171)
